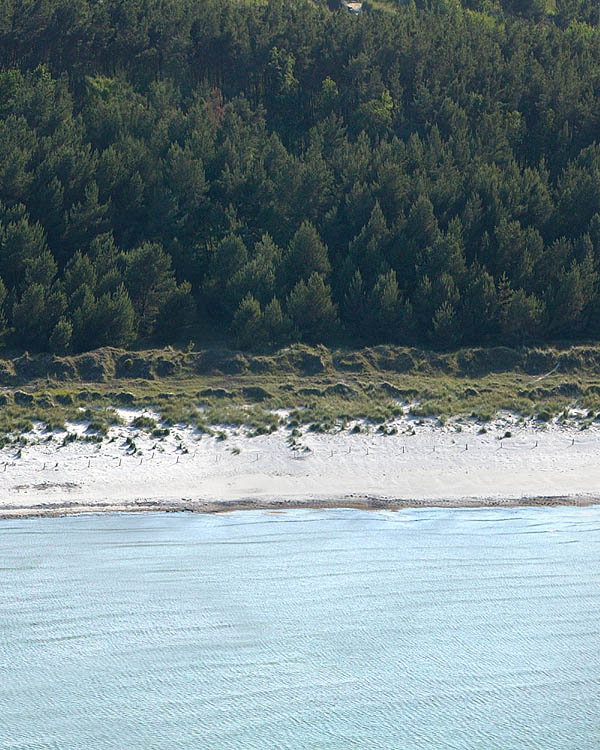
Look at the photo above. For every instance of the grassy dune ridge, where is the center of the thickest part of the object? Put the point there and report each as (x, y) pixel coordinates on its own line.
(296, 386)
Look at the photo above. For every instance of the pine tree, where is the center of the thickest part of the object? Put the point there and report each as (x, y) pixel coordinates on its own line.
(356, 306)
(36, 313)
(520, 315)
(306, 255)
(259, 275)
(384, 307)
(446, 326)
(177, 312)
(312, 312)
(114, 322)
(276, 325)
(422, 226)
(79, 270)
(20, 242)
(480, 303)
(367, 251)
(85, 221)
(41, 270)
(60, 338)
(149, 280)
(247, 325)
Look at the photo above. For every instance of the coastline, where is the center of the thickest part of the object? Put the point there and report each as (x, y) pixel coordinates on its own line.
(418, 463)
(53, 510)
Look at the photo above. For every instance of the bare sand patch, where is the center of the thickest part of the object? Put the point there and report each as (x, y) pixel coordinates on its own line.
(422, 463)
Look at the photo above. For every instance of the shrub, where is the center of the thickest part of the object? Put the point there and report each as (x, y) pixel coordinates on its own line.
(160, 432)
(99, 426)
(145, 423)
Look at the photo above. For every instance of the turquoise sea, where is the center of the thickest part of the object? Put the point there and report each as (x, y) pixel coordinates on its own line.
(337, 629)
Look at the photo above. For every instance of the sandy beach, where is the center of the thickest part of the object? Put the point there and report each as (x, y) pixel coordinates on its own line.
(424, 463)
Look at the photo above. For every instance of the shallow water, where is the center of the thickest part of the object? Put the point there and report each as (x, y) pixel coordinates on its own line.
(304, 629)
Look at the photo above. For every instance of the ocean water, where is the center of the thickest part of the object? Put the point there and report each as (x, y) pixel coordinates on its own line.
(416, 629)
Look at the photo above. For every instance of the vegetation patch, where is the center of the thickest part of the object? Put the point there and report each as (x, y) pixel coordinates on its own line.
(145, 423)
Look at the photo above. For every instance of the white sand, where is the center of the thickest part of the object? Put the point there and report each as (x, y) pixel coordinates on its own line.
(449, 465)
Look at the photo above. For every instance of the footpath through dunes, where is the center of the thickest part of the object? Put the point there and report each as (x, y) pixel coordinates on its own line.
(418, 463)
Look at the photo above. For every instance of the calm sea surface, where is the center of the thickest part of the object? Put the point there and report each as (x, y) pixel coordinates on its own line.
(305, 629)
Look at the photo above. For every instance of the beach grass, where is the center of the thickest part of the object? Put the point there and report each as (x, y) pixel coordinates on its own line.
(299, 386)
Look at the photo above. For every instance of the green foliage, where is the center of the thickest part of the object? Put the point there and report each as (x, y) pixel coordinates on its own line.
(276, 325)
(115, 318)
(306, 255)
(145, 423)
(311, 309)
(36, 313)
(60, 338)
(247, 323)
(150, 282)
(108, 319)
(177, 311)
(520, 314)
(428, 172)
(446, 330)
(375, 116)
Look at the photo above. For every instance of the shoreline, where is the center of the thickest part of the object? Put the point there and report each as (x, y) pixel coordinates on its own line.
(54, 510)
(417, 463)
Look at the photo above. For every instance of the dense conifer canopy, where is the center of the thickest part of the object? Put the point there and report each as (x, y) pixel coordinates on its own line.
(422, 173)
